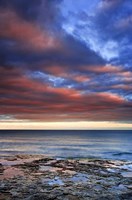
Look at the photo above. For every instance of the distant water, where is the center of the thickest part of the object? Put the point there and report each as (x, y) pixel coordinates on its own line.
(68, 144)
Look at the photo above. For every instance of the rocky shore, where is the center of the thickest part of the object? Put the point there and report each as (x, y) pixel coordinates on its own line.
(32, 177)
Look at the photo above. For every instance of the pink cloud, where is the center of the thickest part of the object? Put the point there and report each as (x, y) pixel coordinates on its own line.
(28, 33)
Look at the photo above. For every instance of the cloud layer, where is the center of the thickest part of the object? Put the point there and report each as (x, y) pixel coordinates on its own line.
(64, 62)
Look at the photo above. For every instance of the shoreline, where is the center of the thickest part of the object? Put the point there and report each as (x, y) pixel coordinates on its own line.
(6, 156)
(40, 177)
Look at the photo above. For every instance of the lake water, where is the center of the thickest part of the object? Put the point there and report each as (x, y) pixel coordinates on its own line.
(68, 144)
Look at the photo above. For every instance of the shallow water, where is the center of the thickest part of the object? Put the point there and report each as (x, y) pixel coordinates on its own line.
(68, 144)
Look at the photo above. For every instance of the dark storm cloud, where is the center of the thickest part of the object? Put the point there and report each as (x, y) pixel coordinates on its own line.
(26, 9)
(33, 9)
(75, 54)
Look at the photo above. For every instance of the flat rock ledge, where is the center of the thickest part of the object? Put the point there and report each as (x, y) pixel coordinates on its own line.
(38, 177)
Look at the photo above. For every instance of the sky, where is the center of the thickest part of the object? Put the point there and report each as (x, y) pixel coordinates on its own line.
(66, 64)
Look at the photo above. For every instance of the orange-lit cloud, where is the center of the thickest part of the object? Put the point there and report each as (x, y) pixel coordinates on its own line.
(104, 69)
(29, 34)
(26, 98)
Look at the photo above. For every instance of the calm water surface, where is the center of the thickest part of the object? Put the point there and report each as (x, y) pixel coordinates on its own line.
(66, 144)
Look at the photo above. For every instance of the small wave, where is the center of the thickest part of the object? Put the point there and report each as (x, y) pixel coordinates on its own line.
(122, 153)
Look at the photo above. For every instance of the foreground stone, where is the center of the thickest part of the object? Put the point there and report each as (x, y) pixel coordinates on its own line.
(27, 177)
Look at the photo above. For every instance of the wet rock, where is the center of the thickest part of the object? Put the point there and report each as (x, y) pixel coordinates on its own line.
(68, 197)
(126, 196)
(11, 158)
(103, 173)
(14, 193)
(122, 187)
(11, 172)
(46, 178)
(5, 196)
(38, 197)
(50, 169)
(55, 182)
(1, 169)
(69, 172)
(79, 177)
(129, 187)
(71, 197)
(98, 188)
(127, 174)
(119, 188)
